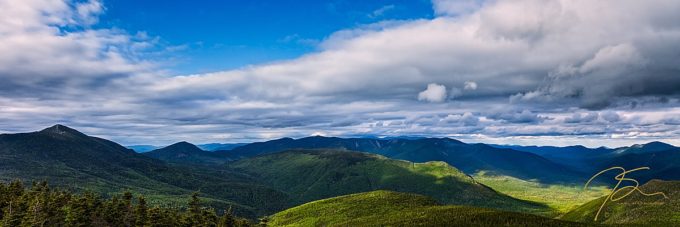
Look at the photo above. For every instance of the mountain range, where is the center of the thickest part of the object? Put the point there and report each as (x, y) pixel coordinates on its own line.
(570, 165)
(69, 159)
(470, 158)
(267, 177)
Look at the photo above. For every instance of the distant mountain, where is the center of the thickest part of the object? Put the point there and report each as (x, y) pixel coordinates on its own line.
(309, 175)
(187, 153)
(142, 148)
(646, 148)
(575, 157)
(662, 158)
(635, 209)
(219, 146)
(470, 158)
(70, 159)
(387, 208)
(664, 165)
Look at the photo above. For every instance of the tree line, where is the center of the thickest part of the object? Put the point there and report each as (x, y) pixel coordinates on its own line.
(40, 205)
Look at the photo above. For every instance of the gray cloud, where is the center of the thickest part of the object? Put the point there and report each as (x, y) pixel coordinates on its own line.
(524, 116)
(584, 118)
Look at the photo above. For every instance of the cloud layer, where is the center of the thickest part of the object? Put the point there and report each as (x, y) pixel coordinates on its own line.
(605, 72)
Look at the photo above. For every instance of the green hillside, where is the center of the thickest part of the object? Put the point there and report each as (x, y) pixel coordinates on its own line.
(386, 208)
(308, 175)
(636, 209)
(560, 197)
(72, 160)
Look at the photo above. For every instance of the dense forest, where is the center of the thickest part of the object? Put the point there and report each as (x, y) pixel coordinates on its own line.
(39, 205)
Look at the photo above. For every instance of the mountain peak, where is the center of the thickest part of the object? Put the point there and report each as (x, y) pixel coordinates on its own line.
(656, 145)
(183, 143)
(59, 129)
(183, 146)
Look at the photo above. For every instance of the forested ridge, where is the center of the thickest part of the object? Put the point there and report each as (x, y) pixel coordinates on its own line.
(40, 205)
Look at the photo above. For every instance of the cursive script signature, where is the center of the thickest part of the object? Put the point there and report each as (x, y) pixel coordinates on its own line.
(621, 177)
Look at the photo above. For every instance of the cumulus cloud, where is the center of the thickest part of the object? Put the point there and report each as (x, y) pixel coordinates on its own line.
(433, 93)
(470, 85)
(467, 119)
(47, 52)
(508, 64)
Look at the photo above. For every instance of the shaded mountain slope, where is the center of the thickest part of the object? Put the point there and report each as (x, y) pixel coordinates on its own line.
(309, 175)
(187, 153)
(470, 158)
(219, 146)
(662, 159)
(386, 208)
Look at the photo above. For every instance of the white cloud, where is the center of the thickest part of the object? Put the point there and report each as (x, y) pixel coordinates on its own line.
(88, 12)
(456, 7)
(433, 93)
(470, 85)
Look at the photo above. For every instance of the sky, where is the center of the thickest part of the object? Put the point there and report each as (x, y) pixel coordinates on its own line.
(530, 72)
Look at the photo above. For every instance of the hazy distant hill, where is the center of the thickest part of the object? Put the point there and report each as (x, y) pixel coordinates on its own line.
(187, 153)
(69, 159)
(142, 148)
(469, 158)
(309, 175)
(219, 146)
(636, 208)
(386, 208)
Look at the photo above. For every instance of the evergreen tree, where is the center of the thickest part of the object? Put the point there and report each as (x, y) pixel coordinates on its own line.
(41, 206)
(126, 208)
(4, 198)
(141, 212)
(227, 219)
(194, 216)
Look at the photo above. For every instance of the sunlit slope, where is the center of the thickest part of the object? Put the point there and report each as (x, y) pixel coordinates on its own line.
(387, 208)
(636, 208)
(560, 197)
(308, 175)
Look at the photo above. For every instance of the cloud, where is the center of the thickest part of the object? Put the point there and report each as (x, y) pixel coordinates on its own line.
(470, 85)
(381, 11)
(513, 67)
(524, 116)
(582, 118)
(467, 119)
(456, 7)
(48, 51)
(433, 93)
(88, 12)
(611, 116)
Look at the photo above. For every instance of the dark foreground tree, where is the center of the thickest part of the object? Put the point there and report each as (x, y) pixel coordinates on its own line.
(41, 206)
